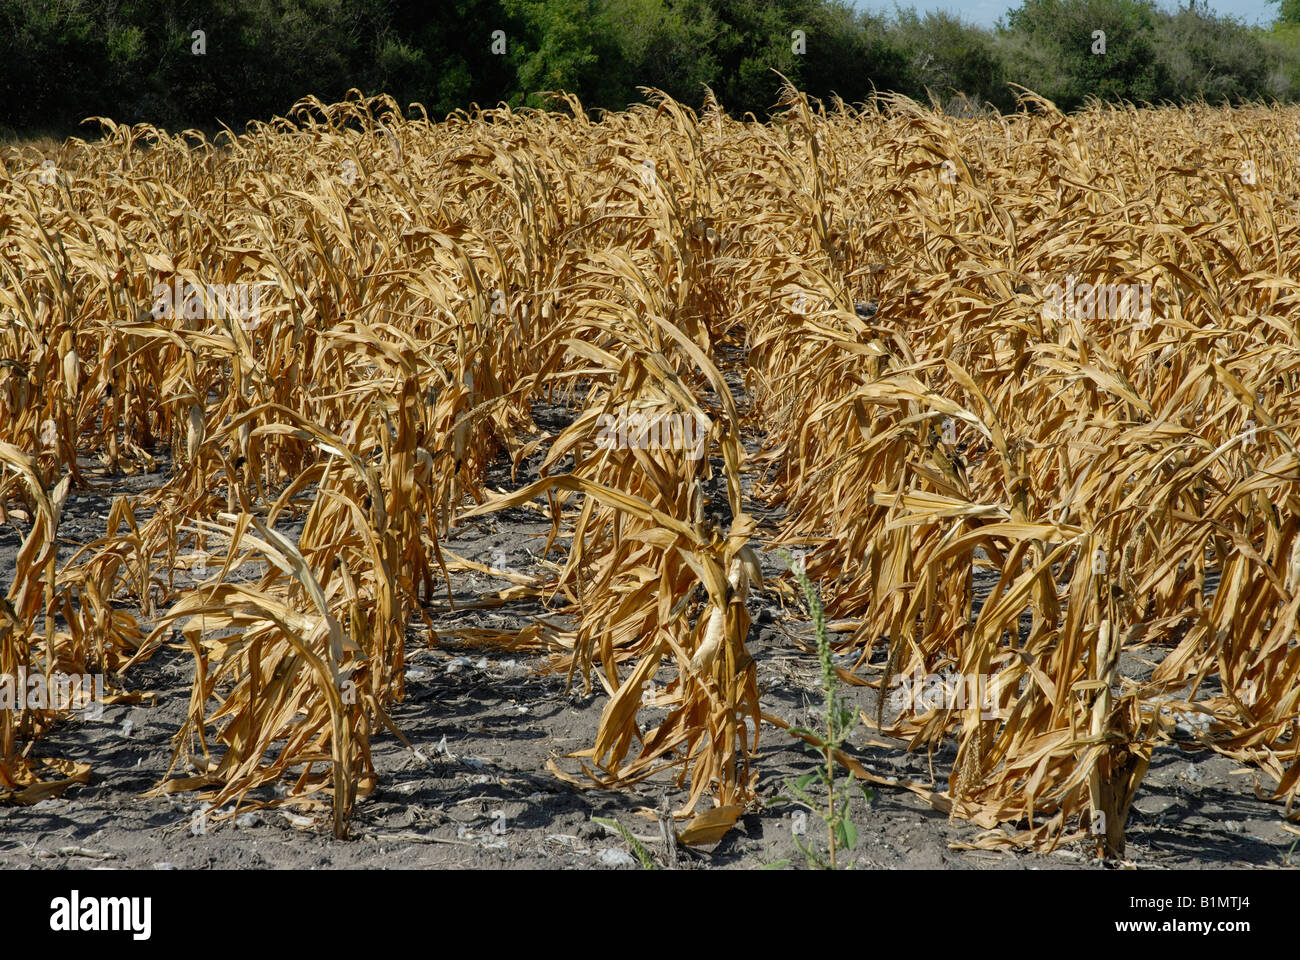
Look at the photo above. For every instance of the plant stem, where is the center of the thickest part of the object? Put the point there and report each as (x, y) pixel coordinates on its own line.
(830, 796)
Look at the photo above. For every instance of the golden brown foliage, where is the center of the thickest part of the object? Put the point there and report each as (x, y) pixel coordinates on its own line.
(1130, 485)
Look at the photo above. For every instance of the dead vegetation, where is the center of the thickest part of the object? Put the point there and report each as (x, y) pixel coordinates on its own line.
(1131, 480)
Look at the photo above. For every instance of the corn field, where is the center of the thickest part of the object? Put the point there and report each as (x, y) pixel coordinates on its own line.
(859, 308)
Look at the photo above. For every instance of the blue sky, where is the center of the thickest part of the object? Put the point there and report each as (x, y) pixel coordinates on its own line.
(986, 12)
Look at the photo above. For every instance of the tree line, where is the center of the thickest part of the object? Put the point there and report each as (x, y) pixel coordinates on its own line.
(198, 63)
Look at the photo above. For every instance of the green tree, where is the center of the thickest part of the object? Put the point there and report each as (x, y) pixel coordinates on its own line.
(665, 45)
(444, 58)
(566, 45)
(1288, 11)
(46, 48)
(1050, 46)
(753, 39)
(850, 54)
(948, 57)
(1209, 56)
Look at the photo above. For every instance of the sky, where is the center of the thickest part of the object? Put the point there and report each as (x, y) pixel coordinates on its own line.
(986, 12)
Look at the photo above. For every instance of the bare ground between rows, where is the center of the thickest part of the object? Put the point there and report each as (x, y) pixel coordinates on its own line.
(487, 721)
